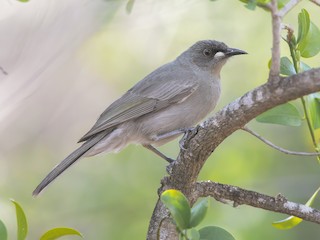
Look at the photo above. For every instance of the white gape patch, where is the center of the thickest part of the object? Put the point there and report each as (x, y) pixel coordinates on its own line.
(219, 54)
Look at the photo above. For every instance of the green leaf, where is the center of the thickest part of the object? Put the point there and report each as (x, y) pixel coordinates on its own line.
(3, 231)
(313, 105)
(21, 222)
(194, 234)
(257, 1)
(287, 223)
(293, 221)
(303, 24)
(250, 4)
(23, 0)
(198, 212)
(129, 6)
(55, 233)
(304, 66)
(310, 45)
(216, 233)
(178, 206)
(285, 114)
(286, 67)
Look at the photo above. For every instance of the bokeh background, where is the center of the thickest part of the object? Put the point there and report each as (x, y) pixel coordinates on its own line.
(66, 61)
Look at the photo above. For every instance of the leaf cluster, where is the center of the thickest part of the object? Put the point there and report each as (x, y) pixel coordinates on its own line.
(186, 218)
(22, 228)
(252, 4)
(305, 45)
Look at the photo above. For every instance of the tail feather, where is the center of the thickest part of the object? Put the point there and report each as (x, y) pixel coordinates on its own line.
(68, 161)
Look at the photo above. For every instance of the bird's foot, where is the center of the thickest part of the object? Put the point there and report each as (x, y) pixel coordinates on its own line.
(169, 167)
(186, 131)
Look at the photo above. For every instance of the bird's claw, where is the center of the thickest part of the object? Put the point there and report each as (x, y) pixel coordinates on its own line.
(169, 167)
(185, 135)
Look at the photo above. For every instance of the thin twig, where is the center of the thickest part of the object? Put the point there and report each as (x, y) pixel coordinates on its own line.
(296, 63)
(276, 35)
(311, 131)
(277, 147)
(288, 7)
(277, 16)
(317, 2)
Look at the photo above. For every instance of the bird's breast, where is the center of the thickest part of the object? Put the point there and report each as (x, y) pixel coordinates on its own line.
(204, 100)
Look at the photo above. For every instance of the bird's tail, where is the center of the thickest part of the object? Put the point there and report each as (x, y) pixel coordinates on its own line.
(68, 161)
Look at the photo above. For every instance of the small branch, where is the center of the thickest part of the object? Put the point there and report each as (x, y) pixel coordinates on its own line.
(276, 147)
(296, 62)
(276, 36)
(240, 196)
(313, 138)
(317, 2)
(292, 46)
(288, 7)
(277, 16)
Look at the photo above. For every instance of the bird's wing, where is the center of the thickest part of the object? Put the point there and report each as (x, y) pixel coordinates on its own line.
(145, 97)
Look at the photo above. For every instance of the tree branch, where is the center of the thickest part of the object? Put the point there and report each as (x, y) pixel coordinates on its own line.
(203, 140)
(277, 147)
(240, 196)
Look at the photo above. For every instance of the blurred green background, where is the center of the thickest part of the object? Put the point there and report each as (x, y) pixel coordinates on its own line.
(68, 60)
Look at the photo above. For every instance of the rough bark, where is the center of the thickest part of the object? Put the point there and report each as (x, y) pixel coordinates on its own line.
(203, 140)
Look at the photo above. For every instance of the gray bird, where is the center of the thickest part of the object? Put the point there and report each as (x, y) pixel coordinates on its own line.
(159, 108)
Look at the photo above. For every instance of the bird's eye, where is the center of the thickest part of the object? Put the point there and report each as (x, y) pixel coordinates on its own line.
(207, 52)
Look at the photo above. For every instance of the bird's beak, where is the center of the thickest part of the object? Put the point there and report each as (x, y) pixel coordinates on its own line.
(234, 51)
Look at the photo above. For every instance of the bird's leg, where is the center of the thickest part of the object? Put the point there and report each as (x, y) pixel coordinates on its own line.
(168, 135)
(160, 154)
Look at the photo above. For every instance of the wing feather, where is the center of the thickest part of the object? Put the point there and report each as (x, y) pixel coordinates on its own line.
(153, 93)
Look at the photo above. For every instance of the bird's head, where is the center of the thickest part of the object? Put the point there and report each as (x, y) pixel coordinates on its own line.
(209, 55)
